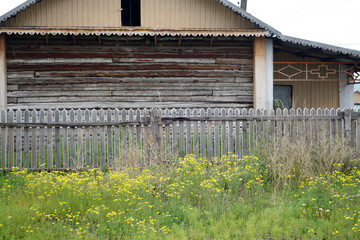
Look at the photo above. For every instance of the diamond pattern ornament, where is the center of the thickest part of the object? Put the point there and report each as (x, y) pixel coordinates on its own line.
(289, 71)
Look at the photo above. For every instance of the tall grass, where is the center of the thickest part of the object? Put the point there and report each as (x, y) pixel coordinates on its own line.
(290, 189)
(292, 160)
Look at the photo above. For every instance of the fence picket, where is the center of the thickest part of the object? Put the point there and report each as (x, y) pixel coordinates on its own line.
(326, 125)
(41, 139)
(265, 126)
(138, 133)
(278, 125)
(161, 136)
(231, 132)
(131, 129)
(188, 133)
(49, 143)
(73, 159)
(102, 139)
(209, 136)
(245, 149)
(11, 140)
(181, 135)
(196, 134)
(223, 134)
(258, 129)
(339, 126)
(80, 140)
(237, 134)
(57, 140)
(217, 135)
(146, 153)
(313, 125)
(123, 134)
(202, 135)
(94, 140)
(65, 139)
(293, 124)
(34, 141)
(3, 139)
(19, 132)
(116, 159)
(353, 133)
(167, 146)
(174, 135)
(87, 139)
(299, 124)
(251, 130)
(319, 123)
(286, 123)
(26, 139)
(307, 125)
(272, 124)
(110, 140)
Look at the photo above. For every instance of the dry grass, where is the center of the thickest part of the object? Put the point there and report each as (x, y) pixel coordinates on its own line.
(290, 160)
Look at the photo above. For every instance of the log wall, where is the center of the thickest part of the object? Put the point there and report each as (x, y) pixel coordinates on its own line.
(134, 72)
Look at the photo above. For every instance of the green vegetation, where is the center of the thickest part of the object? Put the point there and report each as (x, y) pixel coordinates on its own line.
(281, 193)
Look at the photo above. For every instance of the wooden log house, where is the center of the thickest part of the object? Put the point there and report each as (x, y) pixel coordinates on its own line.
(162, 53)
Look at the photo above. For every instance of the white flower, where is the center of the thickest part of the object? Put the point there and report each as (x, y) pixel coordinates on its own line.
(320, 209)
(303, 204)
(327, 211)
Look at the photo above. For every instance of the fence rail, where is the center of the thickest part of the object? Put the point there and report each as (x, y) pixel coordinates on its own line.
(62, 139)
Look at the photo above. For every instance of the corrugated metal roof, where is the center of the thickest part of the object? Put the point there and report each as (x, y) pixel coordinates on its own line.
(250, 17)
(18, 9)
(322, 46)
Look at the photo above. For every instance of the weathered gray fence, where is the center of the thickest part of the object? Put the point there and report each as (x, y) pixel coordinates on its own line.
(62, 139)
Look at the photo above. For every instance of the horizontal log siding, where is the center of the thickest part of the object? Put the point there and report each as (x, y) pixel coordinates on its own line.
(113, 74)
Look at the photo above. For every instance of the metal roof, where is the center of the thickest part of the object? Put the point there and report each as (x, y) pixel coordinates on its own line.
(18, 9)
(249, 17)
(324, 47)
(272, 31)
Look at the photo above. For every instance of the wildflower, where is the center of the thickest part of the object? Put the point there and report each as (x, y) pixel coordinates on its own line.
(303, 204)
(320, 209)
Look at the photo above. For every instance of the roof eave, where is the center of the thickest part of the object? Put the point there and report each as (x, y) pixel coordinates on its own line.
(318, 45)
(250, 17)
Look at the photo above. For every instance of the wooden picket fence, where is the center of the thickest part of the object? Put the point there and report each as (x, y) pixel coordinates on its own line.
(63, 139)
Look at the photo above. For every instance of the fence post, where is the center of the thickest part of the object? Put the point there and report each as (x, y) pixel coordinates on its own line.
(347, 123)
(155, 121)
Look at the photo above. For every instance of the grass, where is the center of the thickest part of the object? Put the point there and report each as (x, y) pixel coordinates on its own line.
(262, 197)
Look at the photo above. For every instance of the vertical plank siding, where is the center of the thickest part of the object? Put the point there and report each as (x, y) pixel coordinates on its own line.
(97, 138)
(158, 14)
(141, 75)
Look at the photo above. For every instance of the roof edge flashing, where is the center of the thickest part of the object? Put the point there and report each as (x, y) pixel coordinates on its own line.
(17, 9)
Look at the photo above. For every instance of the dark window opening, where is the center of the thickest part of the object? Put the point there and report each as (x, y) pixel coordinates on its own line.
(283, 94)
(130, 14)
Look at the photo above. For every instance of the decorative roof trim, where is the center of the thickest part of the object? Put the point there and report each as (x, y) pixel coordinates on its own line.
(138, 32)
(18, 9)
(322, 46)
